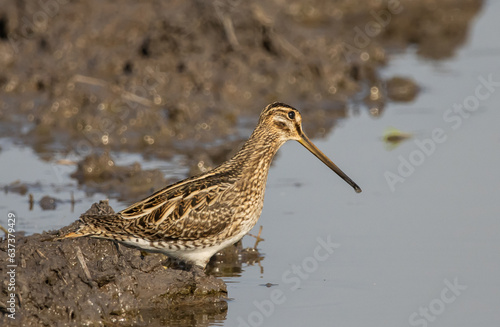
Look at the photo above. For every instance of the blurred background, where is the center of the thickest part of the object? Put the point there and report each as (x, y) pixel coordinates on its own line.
(106, 100)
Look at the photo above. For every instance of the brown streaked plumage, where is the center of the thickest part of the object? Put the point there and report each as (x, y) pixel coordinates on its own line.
(194, 218)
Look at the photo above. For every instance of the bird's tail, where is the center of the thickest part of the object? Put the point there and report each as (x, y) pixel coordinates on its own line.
(78, 233)
(73, 235)
(94, 226)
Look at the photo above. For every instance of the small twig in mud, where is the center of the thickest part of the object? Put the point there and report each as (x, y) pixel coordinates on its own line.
(4, 230)
(113, 88)
(80, 257)
(20, 298)
(289, 47)
(229, 28)
(135, 98)
(41, 254)
(89, 80)
(61, 276)
(227, 23)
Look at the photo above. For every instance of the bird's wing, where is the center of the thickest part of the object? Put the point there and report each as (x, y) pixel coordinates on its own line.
(188, 210)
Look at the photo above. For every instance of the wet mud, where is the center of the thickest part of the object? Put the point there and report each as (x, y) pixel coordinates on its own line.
(100, 173)
(90, 281)
(186, 77)
(182, 77)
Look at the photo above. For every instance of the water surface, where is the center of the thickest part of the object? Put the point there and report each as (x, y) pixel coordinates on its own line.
(400, 248)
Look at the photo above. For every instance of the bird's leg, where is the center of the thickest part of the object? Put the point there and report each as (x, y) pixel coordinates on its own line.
(198, 271)
(258, 239)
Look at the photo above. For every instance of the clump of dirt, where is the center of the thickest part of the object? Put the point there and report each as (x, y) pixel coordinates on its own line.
(48, 203)
(100, 173)
(89, 281)
(402, 89)
(16, 187)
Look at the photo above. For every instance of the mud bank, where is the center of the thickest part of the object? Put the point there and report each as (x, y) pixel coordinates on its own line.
(189, 78)
(163, 78)
(99, 282)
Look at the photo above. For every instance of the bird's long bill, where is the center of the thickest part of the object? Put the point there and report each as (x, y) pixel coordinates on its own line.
(321, 156)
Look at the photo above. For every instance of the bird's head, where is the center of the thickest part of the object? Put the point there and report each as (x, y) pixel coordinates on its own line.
(285, 122)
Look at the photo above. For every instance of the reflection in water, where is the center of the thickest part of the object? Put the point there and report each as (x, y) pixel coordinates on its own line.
(195, 315)
(227, 263)
(230, 261)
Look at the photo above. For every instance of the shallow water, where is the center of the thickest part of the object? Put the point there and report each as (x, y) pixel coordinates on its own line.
(424, 252)
(400, 249)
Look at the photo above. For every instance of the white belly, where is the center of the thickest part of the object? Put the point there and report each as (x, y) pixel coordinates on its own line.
(198, 256)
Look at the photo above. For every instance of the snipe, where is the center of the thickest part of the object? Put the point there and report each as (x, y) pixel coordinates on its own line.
(193, 219)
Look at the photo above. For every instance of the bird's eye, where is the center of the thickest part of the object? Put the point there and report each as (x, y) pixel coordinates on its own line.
(291, 115)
